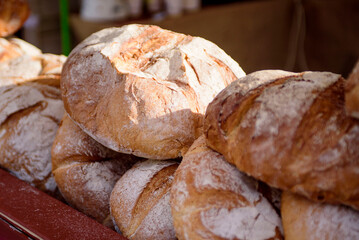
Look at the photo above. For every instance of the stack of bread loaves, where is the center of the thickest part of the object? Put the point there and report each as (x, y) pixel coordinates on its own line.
(165, 135)
(30, 111)
(292, 132)
(131, 94)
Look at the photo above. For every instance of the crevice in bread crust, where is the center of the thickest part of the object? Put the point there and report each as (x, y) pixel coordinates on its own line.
(155, 189)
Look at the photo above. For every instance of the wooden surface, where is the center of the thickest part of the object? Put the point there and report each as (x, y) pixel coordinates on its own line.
(43, 217)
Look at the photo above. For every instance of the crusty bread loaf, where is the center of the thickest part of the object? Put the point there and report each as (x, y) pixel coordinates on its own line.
(29, 118)
(307, 220)
(352, 92)
(150, 85)
(85, 171)
(211, 199)
(140, 201)
(22, 62)
(290, 131)
(13, 14)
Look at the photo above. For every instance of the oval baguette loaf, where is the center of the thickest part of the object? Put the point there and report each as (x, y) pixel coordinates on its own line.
(352, 92)
(85, 171)
(150, 85)
(307, 220)
(140, 201)
(29, 118)
(290, 131)
(211, 199)
(13, 14)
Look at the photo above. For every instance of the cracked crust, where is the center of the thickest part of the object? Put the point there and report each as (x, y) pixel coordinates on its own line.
(211, 199)
(291, 132)
(143, 90)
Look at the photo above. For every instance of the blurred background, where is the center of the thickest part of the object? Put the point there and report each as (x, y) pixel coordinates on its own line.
(293, 35)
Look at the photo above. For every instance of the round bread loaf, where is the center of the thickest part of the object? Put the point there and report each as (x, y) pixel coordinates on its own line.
(352, 92)
(22, 62)
(211, 199)
(29, 118)
(307, 220)
(13, 14)
(290, 131)
(140, 201)
(150, 85)
(85, 171)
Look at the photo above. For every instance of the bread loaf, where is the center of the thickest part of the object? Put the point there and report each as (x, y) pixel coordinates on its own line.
(307, 220)
(13, 14)
(211, 199)
(29, 118)
(290, 131)
(150, 85)
(85, 171)
(352, 92)
(22, 62)
(140, 201)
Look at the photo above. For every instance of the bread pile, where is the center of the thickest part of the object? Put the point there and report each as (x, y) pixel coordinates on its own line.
(30, 102)
(164, 137)
(135, 99)
(30, 111)
(291, 131)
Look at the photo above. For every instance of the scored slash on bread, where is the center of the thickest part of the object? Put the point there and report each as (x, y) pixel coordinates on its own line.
(140, 201)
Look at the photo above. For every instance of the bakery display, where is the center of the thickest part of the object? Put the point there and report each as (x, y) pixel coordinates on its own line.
(352, 92)
(13, 14)
(307, 220)
(140, 201)
(163, 136)
(289, 130)
(29, 118)
(150, 85)
(211, 199)
(85, 171)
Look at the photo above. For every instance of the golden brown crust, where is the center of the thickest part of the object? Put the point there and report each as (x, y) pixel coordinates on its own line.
(291, 133)
(86, 171)
(352, 92)
(13, 14)
(150, 85)
(306, 220)
(22, 62)
(140, 201)
(211, 199)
